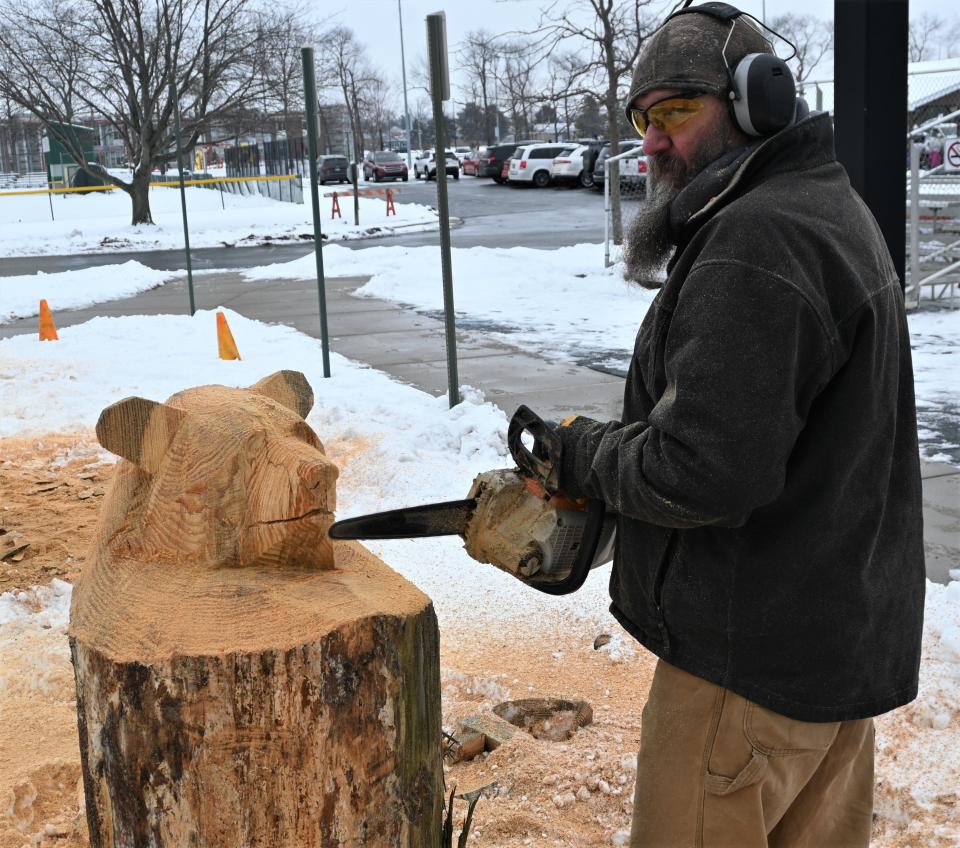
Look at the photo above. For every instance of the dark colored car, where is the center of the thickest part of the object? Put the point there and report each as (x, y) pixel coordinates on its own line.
(492, 163)
(384, 165)
(333, 169)
(599, 170)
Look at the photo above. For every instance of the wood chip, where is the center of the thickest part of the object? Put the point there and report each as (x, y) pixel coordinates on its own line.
(15, 553)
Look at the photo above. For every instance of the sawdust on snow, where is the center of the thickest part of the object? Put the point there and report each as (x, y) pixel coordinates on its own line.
(536, 792)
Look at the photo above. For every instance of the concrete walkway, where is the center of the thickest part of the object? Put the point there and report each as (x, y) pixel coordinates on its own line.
(411, 347)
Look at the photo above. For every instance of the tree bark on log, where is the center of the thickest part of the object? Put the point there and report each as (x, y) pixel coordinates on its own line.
(240, 682)
(334, 742)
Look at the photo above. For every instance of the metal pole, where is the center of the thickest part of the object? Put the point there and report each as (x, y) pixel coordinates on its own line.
(403, 70)
(310, 97)
(175, 98)
(914, 289)
(440, 90)
(606, 216)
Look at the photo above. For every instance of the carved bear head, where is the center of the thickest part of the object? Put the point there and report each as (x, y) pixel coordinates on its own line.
(218, 476)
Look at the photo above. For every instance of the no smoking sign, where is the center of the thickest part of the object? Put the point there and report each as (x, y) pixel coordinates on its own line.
(951, 154)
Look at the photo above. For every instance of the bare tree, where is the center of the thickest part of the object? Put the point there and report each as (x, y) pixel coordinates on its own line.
(812, 37)
(608, 34)
(377, 108)
(344, 64)
(124, 55)
(282, 34)
(925, 32)
(516, 83)
(478, 57)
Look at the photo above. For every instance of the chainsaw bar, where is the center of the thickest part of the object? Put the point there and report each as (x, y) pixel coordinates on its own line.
(449, 518)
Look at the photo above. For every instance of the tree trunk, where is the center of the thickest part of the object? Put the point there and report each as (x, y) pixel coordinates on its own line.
(140, 196)
(240, 682)
(613, 168)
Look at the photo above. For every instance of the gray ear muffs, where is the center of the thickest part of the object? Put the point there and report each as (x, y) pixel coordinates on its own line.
(763, 96)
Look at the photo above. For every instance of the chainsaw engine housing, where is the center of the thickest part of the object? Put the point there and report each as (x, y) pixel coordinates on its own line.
(536, 537)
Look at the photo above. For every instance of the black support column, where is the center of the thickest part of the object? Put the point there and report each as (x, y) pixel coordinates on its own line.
(870, 109)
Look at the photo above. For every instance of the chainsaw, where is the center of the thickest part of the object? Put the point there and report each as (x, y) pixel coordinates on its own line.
(514, 518)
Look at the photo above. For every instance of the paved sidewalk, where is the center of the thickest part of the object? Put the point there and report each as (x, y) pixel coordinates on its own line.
(411, 347)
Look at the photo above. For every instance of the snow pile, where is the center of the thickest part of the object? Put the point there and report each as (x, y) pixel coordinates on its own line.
(95, 222)
(562, 302)
(36, 658)
(20, 296)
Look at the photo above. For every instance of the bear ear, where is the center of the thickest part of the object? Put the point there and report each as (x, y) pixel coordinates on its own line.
(288, 388)
(139, 430)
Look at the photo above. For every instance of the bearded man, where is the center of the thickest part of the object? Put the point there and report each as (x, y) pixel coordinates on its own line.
(765, 471)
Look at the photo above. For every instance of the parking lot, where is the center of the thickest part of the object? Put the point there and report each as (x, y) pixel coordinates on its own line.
(510, 215)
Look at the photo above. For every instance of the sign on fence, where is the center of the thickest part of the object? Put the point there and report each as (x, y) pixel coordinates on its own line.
(951, 155)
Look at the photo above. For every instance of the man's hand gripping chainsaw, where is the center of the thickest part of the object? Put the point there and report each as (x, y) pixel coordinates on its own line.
(516, 519)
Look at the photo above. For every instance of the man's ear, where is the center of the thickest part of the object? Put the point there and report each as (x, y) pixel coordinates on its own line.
(288, 388)
(139, 430)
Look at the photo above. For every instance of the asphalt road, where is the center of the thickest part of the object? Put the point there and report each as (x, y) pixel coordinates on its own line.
(492, 216)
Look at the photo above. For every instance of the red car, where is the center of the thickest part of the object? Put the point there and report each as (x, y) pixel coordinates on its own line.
(471, 165)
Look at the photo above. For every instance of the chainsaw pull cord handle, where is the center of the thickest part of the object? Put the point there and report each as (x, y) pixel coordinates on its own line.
(543, 462)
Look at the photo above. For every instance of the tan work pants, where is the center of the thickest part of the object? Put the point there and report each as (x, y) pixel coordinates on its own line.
(717, 770)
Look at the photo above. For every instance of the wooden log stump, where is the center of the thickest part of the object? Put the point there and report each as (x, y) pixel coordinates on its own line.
(240, 681)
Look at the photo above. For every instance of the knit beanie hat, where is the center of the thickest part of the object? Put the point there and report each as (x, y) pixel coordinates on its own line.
(686, 53)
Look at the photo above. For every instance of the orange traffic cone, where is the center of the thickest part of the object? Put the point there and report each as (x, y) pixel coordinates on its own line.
(48, 332)
(225, 342)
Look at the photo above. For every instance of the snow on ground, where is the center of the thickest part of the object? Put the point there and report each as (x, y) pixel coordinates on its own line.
(20, 296)
(95, 222)
(415, 450)
(563, 304)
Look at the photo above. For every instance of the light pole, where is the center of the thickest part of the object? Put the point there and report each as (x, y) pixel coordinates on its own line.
(403, 69)
(496, 103)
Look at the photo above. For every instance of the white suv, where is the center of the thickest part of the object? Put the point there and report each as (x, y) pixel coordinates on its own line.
(426, 165)
(568, 166)
(532, 163)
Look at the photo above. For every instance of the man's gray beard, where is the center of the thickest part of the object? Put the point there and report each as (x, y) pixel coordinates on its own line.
(649, 240)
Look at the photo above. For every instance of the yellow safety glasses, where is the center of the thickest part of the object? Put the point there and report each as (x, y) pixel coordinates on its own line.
(667, 114)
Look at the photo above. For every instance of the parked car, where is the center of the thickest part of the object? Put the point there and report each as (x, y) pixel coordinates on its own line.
(568, 167)
(531, 164)
(599, 171)
(471, 165)
(384, 165)
(492, 163)
(426, 166)
(333, 169)
(462, 153)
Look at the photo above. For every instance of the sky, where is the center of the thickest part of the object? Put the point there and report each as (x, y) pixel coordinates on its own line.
(375, 22)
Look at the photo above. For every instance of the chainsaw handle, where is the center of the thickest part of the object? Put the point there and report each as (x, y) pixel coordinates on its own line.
(544, 461)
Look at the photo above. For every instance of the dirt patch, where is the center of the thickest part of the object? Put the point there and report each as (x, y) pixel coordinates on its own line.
(576, 792)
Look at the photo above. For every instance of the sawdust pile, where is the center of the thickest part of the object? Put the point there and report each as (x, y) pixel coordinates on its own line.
(536, 792)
